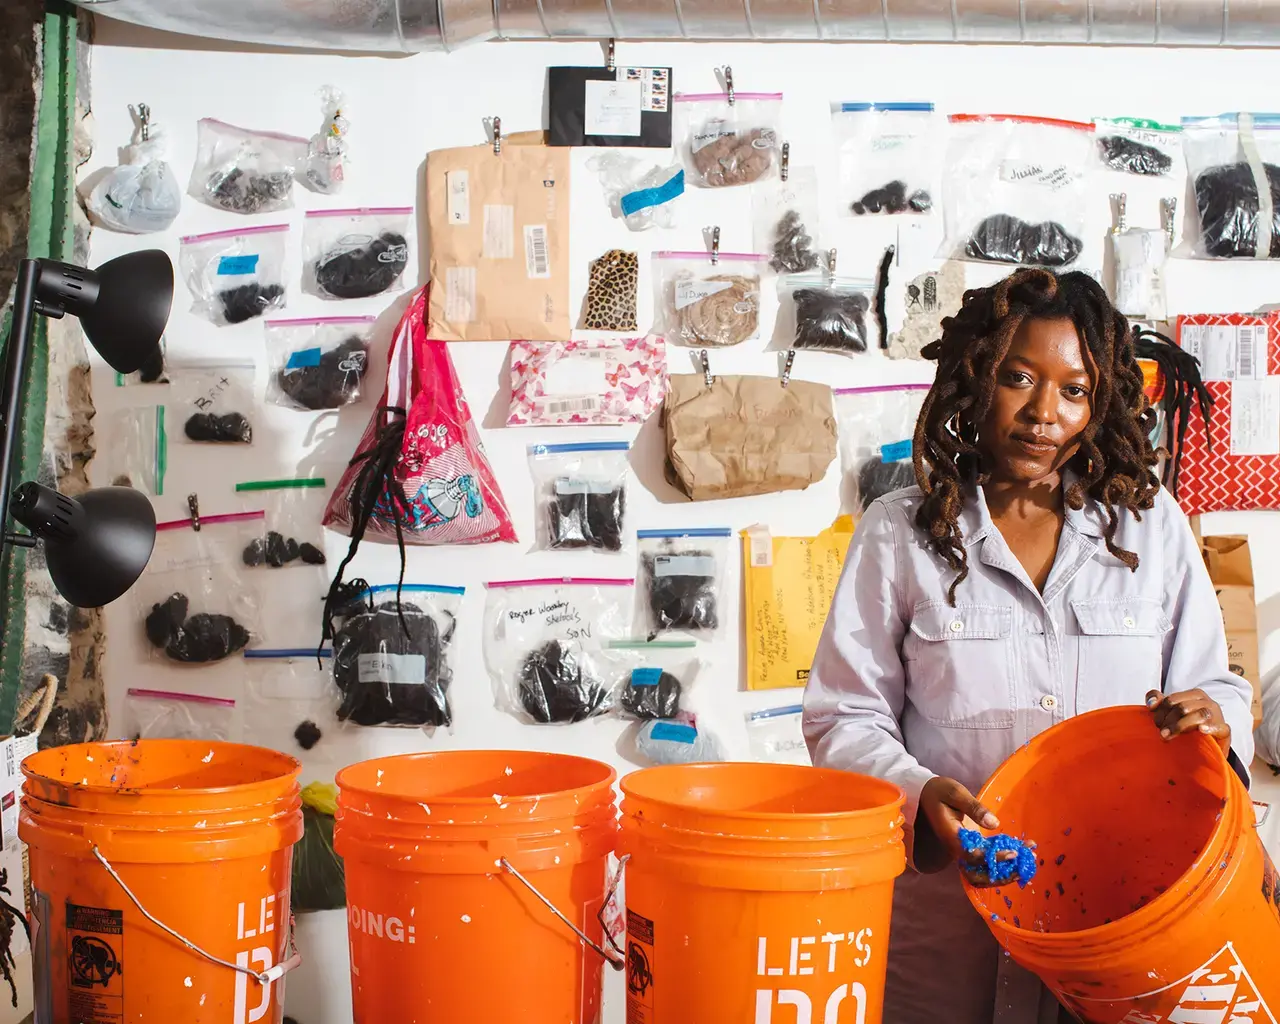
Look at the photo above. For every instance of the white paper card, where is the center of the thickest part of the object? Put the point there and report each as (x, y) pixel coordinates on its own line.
(400, 669)
(613, 108)
(1255, 417)
(1227, 351)
(458, 184)
(582, 373)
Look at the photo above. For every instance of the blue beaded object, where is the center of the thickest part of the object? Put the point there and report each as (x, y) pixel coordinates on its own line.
(990, 847)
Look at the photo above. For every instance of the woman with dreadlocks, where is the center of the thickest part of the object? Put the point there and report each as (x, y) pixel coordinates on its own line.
(1036, 572)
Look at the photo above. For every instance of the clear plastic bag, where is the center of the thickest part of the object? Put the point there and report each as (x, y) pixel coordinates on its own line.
(1134, 145)
(326, 152)
(683, 740)
(877, 425)
(391, 659)
(244, 171)
(1227, 157)
(1139, 256)
(657, 677)
(153, 371)
(824, 313)
(193, 603)
(641, 194)
(293, 535)
(777, 735)
(214, 405)
(597, 382)
(785, 221)
(317, 362)
(319, 880)
(889, 156)
(703, 303)
(136, 449)
(164, 715)
(353, 254)
(291, 702)
(1015, 190)
(544, 643)
(581, 494)
(681, 574)
(234, 276)
(142, 194)
(728, 141)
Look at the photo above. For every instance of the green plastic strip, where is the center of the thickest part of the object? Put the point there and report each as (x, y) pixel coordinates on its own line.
(162, 451)
(1140, 123)
(651, 645)
(276, 485)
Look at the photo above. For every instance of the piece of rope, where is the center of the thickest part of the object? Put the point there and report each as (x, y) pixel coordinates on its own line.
(42, 697)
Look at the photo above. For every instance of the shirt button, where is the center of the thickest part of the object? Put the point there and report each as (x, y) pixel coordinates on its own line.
(1049, 702)
(956, 626)
(1129, 623)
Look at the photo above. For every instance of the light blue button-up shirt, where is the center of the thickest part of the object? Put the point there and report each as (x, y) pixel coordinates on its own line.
(905, 686)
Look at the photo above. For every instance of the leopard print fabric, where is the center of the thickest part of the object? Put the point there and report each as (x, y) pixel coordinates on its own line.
(611, 292)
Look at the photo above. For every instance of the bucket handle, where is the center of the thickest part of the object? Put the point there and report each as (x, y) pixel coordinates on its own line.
(616, 959)
(263, 978)
(1266, 812)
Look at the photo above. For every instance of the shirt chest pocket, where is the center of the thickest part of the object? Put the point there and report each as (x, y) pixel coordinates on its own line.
(1121, 655)
(959, 665)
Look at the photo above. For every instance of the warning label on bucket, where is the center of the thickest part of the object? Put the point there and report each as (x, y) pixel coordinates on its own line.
(95, 975)
(639, 969)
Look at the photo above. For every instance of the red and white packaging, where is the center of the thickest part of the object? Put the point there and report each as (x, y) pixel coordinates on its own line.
(573, 383)
(1237, 466)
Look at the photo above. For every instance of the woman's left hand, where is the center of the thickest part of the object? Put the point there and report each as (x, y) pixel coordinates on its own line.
(1189, 711)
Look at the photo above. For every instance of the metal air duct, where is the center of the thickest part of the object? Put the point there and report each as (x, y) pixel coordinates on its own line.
(416, 25)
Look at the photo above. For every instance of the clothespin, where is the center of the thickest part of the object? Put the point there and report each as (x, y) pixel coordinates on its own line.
(786, 160)
(1168, 214)
(612, 61)
(497, 135)
(728, 84)
(786, 367)
(715, 246)
(193, 505)
(1121, 201)
(831, 263)
(144, 122)
(706, 367)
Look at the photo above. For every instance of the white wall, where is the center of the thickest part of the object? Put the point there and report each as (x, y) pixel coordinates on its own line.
(402, 107)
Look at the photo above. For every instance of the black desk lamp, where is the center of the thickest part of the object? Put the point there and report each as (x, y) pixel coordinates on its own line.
(97, 545)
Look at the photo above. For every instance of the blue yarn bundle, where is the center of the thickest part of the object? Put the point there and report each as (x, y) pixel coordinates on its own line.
(990, 847)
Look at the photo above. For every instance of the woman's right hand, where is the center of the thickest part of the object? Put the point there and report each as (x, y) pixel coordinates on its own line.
(944, 806)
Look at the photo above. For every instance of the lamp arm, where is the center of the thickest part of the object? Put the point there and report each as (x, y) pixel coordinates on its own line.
(15, 370)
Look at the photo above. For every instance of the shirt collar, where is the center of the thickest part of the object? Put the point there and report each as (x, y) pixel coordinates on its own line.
(976, 524)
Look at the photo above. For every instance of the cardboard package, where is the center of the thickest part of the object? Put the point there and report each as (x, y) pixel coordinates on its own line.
(1231, 570)
(788, 584)
(499, 226)
(738, 436)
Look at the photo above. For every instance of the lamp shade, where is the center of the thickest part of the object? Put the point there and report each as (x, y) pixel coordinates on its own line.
(97, 545)
(135, 294)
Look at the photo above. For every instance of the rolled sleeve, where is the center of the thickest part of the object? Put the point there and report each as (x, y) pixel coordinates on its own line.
(854, 698)
(1195, 652)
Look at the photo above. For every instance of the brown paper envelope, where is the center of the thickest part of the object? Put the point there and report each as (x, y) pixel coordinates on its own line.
(747, 435)
(499, 242)
(1231, 571)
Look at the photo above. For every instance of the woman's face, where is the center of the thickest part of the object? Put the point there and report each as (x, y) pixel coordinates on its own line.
(1042, 404)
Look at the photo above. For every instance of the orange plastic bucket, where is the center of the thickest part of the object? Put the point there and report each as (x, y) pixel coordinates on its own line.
(1155, 900)
(441, 927)
(202, 836)
(758, 893)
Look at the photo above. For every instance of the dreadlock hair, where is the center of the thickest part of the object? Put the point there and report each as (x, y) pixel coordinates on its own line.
(1115, 460)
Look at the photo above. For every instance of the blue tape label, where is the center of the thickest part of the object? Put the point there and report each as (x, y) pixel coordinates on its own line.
(898, 451)
(674, 732)
(245, 264)
(303, 357)
(645, 676)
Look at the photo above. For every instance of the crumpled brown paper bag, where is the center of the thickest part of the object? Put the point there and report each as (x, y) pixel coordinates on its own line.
(499, 247)
(1231, 570)
(746, 435)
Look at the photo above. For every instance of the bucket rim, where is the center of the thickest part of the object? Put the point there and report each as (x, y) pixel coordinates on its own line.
(894, 797)
(1122, 930)
(608, 775)
(289, 767)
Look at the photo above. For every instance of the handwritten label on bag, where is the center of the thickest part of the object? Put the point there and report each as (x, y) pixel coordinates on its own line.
(646, 676)
(896, 451)
(229, 266)
(691, 290)
(673, 732)
(460, 295)
(613, 108)
(499, 232)
(684, 565)
(398, 669)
